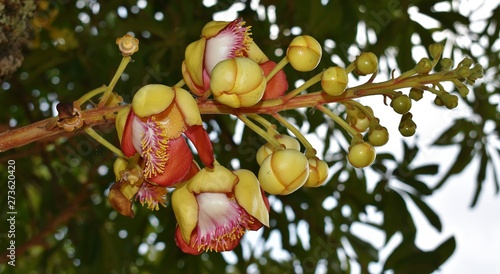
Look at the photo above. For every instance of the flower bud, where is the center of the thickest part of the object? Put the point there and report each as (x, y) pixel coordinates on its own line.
(268, 148)
(424, 66)
(334, 81)
(438, 101)
(318, 171)
(283, 172)
(446, 64)
(450, 101)
(359, 122)
(366, 63)
(406, 126)
(401, 103)
(378, 135)
(238, 82)
(416, 94)
(304, 53)
(361, 154)
(435, 50)
(462, 89)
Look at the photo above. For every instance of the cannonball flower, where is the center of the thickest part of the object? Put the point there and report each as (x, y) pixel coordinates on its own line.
(283, 172)
(215, 207)
(154, 126)
(238, 82)
(220, 41)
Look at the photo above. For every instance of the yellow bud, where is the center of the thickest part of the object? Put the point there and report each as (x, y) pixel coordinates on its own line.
(318, 171)
(366, 63)
(304, 53)
(283, 172)
(334, 81)
(238, 82)
(152, 99)
(361, 154)
(268, 148)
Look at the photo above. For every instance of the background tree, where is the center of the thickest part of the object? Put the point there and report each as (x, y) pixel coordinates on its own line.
(64, 222)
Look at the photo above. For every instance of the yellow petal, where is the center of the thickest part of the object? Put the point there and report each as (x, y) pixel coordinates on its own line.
(185, 209)
(256, 54)
(249, 196)
(152, 99)
(212, 28)
(121, 118)
(194, 57)
(188, 106)
(219, 180)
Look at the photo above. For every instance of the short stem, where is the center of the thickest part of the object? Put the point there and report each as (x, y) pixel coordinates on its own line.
(118, 73)
(352, 131)
(277, 68)
(180, 84)
(407, 74)
(258, 130)
(351, 67)
(265, 123)
(104, 142)
(294, 130)
(313, 80)
(89, 95)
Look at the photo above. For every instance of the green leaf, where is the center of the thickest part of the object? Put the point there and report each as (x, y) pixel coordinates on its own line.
(463, 159)
(366, 252)
(431, 216)
(414, 260)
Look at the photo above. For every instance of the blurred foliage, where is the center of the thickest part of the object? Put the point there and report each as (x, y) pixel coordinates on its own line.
(65, 224)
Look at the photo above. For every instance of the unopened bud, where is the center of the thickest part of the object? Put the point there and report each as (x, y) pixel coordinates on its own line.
(424, 66)
(436, 50)
(416, 94)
